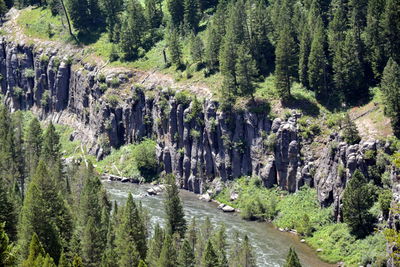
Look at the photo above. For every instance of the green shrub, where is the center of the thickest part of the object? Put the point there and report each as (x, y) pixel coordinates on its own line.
(18, 91)
(194, 133)
(101, 78)
(44, 59)
(113, 100)
(114, 82)
(183, 97)
(103, 87)
(144, 155)
(29, 73)
(195, 112)
(270, 143)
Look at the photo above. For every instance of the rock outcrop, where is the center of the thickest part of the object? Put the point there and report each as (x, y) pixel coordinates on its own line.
(196, 140)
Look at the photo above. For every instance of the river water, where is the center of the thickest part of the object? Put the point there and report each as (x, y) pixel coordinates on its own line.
(270, 245)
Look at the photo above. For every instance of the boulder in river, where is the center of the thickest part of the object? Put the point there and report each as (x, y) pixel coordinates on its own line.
(227, 208)
(151, 192)
(205, 197)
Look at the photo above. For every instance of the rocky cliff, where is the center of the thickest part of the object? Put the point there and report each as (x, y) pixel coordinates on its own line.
(196, 139)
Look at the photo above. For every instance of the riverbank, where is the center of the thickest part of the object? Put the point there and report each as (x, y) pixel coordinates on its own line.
(270, 245)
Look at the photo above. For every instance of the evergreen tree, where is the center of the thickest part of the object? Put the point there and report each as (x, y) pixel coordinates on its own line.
(3, 9)
(337, 26)
(358, 198)
(176, 222)
(176, 10)
(7, 152)
(51, 153)
(390, 87)
(212, 47)
(246, 257)
(19, 160)
(350, 132)
(318, 74)
(155, 246)
(8, 214)
(285, 63)
(153, 12)
(168, 257)
(132, 29)
(259, 31)
(186, 256)
(44, 212)
(219, 241)
(131, 237)
(111, 10)
(191, 16)
(77, 262)
(33, 145)
(36, 252)
(174, 47)
(210, 258)
(391, 29)
(348, 70)
(142, 264)
(192, 233)
(63, 262)
(79, 13)
(374, 37)
(292, 260)
(6, 256)
(196, 49)
(246, 72)
(304, 53)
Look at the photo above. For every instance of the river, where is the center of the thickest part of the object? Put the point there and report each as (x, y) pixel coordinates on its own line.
(270, 245)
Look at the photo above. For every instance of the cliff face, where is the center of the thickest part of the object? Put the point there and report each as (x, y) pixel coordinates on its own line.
(196, 140)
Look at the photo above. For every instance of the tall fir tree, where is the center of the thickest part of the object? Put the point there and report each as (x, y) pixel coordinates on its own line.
(246, 257)
(391, 29)
(390, 87)
(174, 47)
(79, 13)
(111, 10)
(210, 258)
(133, 28)
(155, 246)
(7, 257)
(304, 53)
(358, 198)
(131, 236)
(153, 13)
(8, 214)
(318, 73)
(45, 213)
(285, 63)
(176, 10)
(176, 222)
(246, 72)
(168, 256)
(191, 16)
(186, 255)
(33, 145)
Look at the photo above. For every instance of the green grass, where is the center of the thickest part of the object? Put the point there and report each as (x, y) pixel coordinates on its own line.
(40, 23)
(68, 147)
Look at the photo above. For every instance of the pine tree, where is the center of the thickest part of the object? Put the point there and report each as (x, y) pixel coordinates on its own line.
(6, 256)
(174, 47)
(94, 238)
(51, 154)
(285, 63)
(77, 262)
(246, 257)
(304, 53)
(210, 258)
(337, 27)
(374, 37)
(192, 233)
(36, 253)
(63, 262)
(168, 257)
(196, 49)
(111, 10)
(79, 13)
(19, 160)
(142, 264)
(132, 30)
(7, 152)
(131, 237)
(155, 246)
(292, 260)
(391, 29)
(153, 12)
(191, 16)
(186, 256)
(348, 70)
(212, 47)
(246, 72)
(176, 10)
(318, 74)
(33, 145)
(44, 212)
(350, 132)
(259, 30)
(176, 222)
(8, 214)
(219, 241)
(390, 87)
(358, 198)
